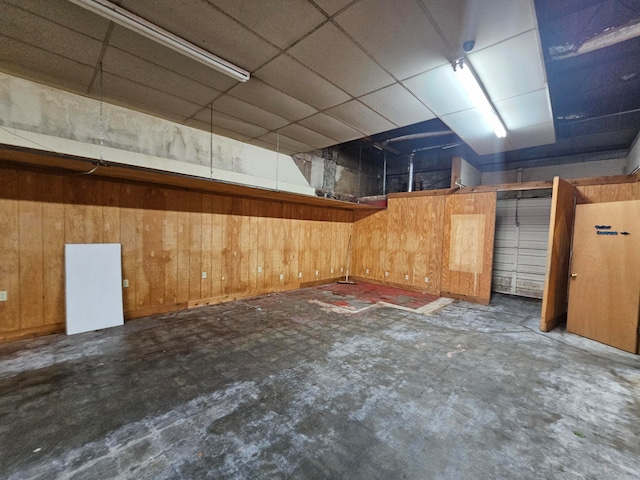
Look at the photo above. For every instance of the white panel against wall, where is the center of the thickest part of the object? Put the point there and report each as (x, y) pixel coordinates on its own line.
(522, 230)
(93, 281)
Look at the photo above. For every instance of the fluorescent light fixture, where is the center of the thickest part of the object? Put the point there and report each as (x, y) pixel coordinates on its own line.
(472, 86)
(129, 20)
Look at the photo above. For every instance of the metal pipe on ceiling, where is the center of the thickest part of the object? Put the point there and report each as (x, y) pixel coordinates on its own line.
(410, 185)
(384, 174)
(418, 136)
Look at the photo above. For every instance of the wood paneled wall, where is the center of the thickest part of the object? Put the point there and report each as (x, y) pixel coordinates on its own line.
(410, 245)
(401, 246)
(169, 238)
(615, 192)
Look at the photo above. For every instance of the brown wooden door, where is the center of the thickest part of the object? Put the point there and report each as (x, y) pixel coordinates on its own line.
(604, 290)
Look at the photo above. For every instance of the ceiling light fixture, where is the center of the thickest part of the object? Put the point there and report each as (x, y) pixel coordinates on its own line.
(129, 20)
(472, 86)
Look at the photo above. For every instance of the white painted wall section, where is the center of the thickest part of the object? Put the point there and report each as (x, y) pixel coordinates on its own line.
(44, 118)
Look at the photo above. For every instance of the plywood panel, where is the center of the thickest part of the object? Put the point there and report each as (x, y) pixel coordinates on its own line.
(469, 226)
(53, 245)
(184, 244)
(291, 243)
(207, 238)
(128, 209)
(276, 256)
(30, 186)
(465, 253)
(615, 192)
(9, 251)
(554, 298)
(170, 248)
(195, 245)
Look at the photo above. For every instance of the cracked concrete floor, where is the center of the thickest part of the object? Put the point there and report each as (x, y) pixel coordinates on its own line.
(276, 387)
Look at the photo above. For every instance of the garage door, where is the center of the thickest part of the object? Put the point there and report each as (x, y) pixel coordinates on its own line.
(520, 256)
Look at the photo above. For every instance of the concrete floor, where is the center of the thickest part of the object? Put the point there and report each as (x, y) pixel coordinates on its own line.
(278, 387)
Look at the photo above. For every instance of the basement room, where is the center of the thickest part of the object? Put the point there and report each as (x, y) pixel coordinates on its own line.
(319, 239)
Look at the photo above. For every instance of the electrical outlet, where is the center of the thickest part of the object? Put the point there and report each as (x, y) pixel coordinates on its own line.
(332, 270)
(317, 273)
(3, 296)
(300, 275)
(259, 269)
(366, 271)
(281, 276)
(341, 269)
(426, 279)
(406, 277)
(386, 274)
(204, 274)
(223, 279)
(125, 283)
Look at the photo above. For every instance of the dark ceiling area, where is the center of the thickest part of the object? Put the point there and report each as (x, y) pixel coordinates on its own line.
(592, 58)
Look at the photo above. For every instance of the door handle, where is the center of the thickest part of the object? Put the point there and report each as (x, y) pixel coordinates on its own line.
(574, 275)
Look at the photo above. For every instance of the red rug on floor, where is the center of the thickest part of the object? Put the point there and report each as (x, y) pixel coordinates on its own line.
(370, 293)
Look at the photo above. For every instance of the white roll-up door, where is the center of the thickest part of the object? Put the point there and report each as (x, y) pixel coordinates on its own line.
(520, 256)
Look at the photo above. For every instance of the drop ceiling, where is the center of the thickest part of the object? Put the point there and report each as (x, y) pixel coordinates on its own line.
(323, 72)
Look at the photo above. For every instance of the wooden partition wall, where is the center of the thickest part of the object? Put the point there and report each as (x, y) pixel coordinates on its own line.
(180, 248)
(422, 242)
(554, 297)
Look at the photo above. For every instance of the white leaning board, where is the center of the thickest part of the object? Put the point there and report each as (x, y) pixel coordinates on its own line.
(93, 286)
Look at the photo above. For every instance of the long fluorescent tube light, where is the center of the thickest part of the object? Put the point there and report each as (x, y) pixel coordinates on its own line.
(129, 20)
(472, 86)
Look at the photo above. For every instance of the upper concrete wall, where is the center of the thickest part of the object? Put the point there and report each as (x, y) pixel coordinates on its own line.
(45, 118)
(614, 166)
(633, 159)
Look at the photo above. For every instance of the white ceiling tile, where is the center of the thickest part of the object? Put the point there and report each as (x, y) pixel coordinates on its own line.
(34, 30)
(143, 98)
(526, 110)
(42, 66)
(66, 14)
(270, 146)
(207, 27)
(361, 117)
(463, 20)
(511, 68)
(290, 76)
(468, 124)
(284, 143)
(489, 145)
(440, 90)
(330, 53)
(206, 126)
(398, 105)
(272, 19)
(138, 70)
(308, 136)
(262, 95)
(250, 113)
(331, 127)
(332, 6)
(542, 134)
(230, 123)
(149, 50)
(405, 42)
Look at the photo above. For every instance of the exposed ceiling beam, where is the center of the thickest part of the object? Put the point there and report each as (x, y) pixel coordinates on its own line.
(609, 37)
